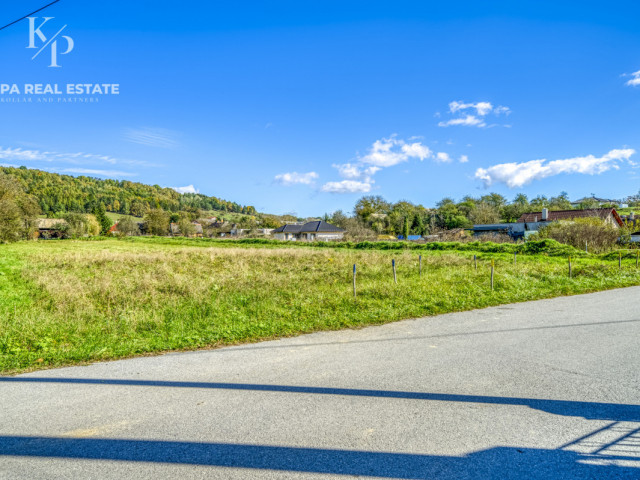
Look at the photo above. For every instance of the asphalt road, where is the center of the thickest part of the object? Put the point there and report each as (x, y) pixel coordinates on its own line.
(546, 389)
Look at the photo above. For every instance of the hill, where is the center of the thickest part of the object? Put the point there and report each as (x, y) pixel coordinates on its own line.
(57, 194)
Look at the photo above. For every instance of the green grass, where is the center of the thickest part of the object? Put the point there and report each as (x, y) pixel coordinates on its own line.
(69, 302)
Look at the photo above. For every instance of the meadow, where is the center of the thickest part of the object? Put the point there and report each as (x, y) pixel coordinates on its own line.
(76, 301)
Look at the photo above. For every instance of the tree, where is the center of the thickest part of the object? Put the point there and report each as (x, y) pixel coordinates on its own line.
(561, 202)
(187, 228)
(371, 204)
(484, 213)
(139, 208)
(128, 226)
(539, 202)
(405, 228)
(18, 211)
(103, 220)
(78, 224)
(418, 226)
(495, 200)
(449, 216)
(156, 222)
(513, 211)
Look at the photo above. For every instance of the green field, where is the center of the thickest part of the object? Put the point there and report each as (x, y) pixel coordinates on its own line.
(68, 302)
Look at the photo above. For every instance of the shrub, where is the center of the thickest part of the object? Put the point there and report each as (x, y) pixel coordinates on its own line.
(594, 232)
(18, 211)
(127, 226)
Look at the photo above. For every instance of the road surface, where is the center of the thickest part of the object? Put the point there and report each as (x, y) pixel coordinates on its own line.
(541, 390)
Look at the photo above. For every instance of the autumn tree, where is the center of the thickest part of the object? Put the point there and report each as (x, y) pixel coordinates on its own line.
(18, 211)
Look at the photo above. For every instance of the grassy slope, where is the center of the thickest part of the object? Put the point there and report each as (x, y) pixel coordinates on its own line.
(67, 302)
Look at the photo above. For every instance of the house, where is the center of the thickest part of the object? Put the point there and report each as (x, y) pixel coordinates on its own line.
(609, 215)
(197, 231)
(51, 227)
(530, 223)
(114, 229)
(309, 232)
(593, 199)
(516, 230)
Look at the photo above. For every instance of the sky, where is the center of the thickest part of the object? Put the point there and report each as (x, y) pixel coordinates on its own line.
(304, 107)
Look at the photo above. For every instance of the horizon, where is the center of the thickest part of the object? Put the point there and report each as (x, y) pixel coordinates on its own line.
(301, 109)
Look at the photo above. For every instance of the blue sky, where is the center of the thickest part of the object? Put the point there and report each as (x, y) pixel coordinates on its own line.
(306, 106)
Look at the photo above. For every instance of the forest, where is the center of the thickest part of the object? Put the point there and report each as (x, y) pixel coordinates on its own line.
(57, 194)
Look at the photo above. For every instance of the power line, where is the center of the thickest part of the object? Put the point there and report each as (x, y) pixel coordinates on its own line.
(29, 14)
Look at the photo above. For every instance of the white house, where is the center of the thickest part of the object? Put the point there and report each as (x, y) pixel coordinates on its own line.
(309, 232)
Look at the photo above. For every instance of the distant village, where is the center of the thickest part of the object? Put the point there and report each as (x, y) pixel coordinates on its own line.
(527, 224)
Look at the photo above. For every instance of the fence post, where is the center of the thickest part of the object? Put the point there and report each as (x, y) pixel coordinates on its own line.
(475, 261)
(619, 259)
(354, 280)
(570, 267)
(586, 246)
(637, 255)
(395, 278)
(492, 265)
(420, 263)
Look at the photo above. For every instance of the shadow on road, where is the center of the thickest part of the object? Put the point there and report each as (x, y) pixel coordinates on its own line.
(495, 463)
(587, 410)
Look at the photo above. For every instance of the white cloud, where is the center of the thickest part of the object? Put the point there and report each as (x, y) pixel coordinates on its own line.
(466, 121)
(75, 158)
(519, 174)
(472, 114)
(481, 108)
(391, 151)
(294, 178)
(443, 157)
(635, 80)
(102, 173)
(20, 154)
(384, 153)
(355, 171)
(151, 137)
(417, 150)
(187, 189)
(347, 186)
(464, 159)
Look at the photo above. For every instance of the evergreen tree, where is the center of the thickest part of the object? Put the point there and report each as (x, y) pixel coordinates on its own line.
(103, 220)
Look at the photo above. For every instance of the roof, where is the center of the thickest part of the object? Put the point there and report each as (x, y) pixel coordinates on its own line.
(197, 228)
(553, 216)
(310, 227)
(288, 229)
(600, 200)
(49, 223)
(319, 226)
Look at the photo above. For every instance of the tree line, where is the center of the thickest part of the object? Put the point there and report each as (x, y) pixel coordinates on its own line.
(373, 215)
(58, 194)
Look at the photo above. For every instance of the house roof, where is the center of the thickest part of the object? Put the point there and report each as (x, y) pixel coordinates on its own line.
(288, 229)
(49, 223)
(600, 200)
(319, 226)
(310, 227)
(556, 215)
(175, 229)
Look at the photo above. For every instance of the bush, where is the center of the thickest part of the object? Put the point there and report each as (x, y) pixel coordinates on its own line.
(598, 235)
(127, 226)
(18, 211)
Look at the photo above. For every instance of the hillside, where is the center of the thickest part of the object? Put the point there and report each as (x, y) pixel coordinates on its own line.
(57, 193)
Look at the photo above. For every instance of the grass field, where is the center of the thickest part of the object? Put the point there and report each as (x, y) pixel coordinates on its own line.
(66, 302)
